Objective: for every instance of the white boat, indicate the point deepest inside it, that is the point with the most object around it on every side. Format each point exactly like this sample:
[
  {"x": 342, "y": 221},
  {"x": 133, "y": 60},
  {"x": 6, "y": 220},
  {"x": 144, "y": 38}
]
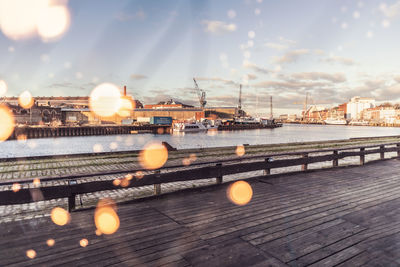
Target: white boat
[
  {"x": 189, "y": 127},
  {"x": 335, "y": 121}
]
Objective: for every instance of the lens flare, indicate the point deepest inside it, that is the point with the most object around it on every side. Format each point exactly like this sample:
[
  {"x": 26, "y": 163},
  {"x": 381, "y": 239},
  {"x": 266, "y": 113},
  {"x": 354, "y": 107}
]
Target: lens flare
[
  {"x": 240, "y": 151},
  {"x": 126, "y": 108},
  {"x": 31, "y": 253},
  {"x": 36, "y": 182},
  {"x": 97, "y": 148},
  {"x": 22, "y": 138},
  {"x": 83, "y": 242},
  {"x": 105, "y": 217},
  {"x": 53, "y": 22},
  {"x": 153, "y": 156},
  {"x": 186, "y": 161},
  {"x": 7, "y": 123},
  {"x": 240, "y": 193},
  {"x": 19, "y": 17},
  {"x": 22, "y": 19},
  {"x": 113, "y": 145},
  {"x": 105, "y": 100},
  {"x": 60, "y": 216},
  {"x": 116, "y": 182},
  {"x": 16, "y": 187},
  {"x": 193, "y": 157},
  {"x": 139, "y": 175},
  {"x": 25, "y": 100},
  {"x": 50, "y": 242},
  {"x": 125, "y": 182},
  {"x": 3, "y": 88}
]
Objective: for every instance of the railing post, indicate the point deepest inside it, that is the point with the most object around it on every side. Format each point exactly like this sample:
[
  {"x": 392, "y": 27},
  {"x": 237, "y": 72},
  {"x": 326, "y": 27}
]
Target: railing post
[
  {"x": 219, "y": 177},
  {"x": 157, "y": 187},
  {"x": 71, "y": 202},
  {"x": 71, "y": 198},
  {"x": 398, "y": 150},
  {"x": 362, "y": 156},
  {"x": 267, "y": 171},
  {"x": 304, "y": 167},
  {"x": 382, "y": 147},
  {"x": 335, "y": 160}
]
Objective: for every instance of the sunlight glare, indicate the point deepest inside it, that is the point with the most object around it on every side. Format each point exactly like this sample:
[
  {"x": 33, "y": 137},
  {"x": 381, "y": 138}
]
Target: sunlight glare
[
  {"x": 153, "y": 156},
  {"x": 7, "y": 123},
  {"x": 53, "y": 22},
  {"x": 240, "y": 193},
  {"x": 60, "y": 216},
  {"x": 105, "y": 100},
  {"x": 25, "y": 100}
]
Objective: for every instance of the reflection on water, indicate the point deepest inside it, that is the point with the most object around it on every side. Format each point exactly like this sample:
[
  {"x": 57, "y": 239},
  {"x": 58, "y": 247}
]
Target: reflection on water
[{"x": 286, "y": 134}]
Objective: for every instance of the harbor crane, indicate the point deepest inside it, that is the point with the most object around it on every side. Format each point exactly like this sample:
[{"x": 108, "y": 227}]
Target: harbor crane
[{"x": 201, "y": 94}]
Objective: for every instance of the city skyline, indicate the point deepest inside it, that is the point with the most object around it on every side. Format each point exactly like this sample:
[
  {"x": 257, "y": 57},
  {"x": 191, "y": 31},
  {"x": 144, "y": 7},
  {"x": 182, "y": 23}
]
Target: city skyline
[{"x": 333, "y": 50}]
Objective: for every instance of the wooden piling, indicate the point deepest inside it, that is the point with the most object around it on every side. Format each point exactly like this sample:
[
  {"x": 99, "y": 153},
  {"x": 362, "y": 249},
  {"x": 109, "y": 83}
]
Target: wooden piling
[
  {"x": 304, "y": 166},
  {"x": 362, "y": 156}
]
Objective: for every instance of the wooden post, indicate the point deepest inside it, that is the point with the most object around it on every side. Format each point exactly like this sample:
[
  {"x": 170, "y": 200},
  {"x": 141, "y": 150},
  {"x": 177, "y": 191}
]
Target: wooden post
[
  {"x": 157, "y": 187},
  {"x": 71, "y": 198},
  {"x": 335, "y": 160},
  {"x": 304, "y": 167},
  {"x": 398, "y": 150},
  {"x": 71, "y": 202},
  {"x": 382, "y": 147},
  {"x": 267, "y": 171},
  {"x": 219, "y": 177},
  {"x": 362, "y": 156}
]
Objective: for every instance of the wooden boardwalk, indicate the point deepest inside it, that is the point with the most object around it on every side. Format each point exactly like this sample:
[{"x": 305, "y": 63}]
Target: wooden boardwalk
[{"x": 343, "y": 216}]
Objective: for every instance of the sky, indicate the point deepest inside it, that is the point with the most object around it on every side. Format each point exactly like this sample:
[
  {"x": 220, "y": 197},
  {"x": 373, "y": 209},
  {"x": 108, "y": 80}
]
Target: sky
[{"x": 331, "y": 49}]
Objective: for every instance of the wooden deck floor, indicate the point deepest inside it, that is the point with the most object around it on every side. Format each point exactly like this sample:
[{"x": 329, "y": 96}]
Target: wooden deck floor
[{"x": 345, "y": 217}]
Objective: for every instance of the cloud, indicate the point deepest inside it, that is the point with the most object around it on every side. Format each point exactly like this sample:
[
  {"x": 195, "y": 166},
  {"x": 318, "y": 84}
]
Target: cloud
[
  {"x": 71, "y": 86},
  {"x": 290, "y": 85},
  {"x": 397, "y": 78},
  {"x": 138, "y": 77},
  {"x": 341, "y": 60},
  {"x": 139, "y": 15},
  {"x": 291, "y": 56},
  {"x": 218, "y": 27},
  {"x": 276, "y": 46},
  {"x": 216, "y": 79},
  {"x": 256, "y": 68},
  {"x": 251, "y": 77},
  {"x": 335, "y": 77},
  {"x": 390, "y": 11},
  {"x": 288, "y": 41}
]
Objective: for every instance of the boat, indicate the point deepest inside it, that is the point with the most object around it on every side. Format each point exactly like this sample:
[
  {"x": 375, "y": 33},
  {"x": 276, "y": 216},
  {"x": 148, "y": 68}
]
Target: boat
[
  {"x": 189, "y": 127},
  {"x": 335, "y": 121}
]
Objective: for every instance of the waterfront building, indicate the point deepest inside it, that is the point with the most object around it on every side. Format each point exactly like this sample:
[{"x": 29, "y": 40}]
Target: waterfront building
[
  {"x": 283, "y": 117},
  {"x": 356, "y": 105}
]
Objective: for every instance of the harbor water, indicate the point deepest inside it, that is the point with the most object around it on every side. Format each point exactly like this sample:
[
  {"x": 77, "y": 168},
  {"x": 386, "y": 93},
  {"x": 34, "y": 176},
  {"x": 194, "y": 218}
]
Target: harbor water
[{"x": 287, "y": 134}]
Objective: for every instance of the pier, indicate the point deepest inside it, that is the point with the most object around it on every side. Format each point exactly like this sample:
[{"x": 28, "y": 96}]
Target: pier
[{"x": 345, "y": 216}]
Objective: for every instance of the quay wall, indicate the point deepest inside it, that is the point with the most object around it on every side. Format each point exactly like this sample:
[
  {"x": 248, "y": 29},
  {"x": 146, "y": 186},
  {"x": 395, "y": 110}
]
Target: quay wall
[
  {"x": 31, "y": 132},
  {"x": 46, "y": 131}
]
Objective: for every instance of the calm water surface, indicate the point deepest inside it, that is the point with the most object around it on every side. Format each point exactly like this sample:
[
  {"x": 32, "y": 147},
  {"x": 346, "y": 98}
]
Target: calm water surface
[{"x": 286, "y": 134}]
